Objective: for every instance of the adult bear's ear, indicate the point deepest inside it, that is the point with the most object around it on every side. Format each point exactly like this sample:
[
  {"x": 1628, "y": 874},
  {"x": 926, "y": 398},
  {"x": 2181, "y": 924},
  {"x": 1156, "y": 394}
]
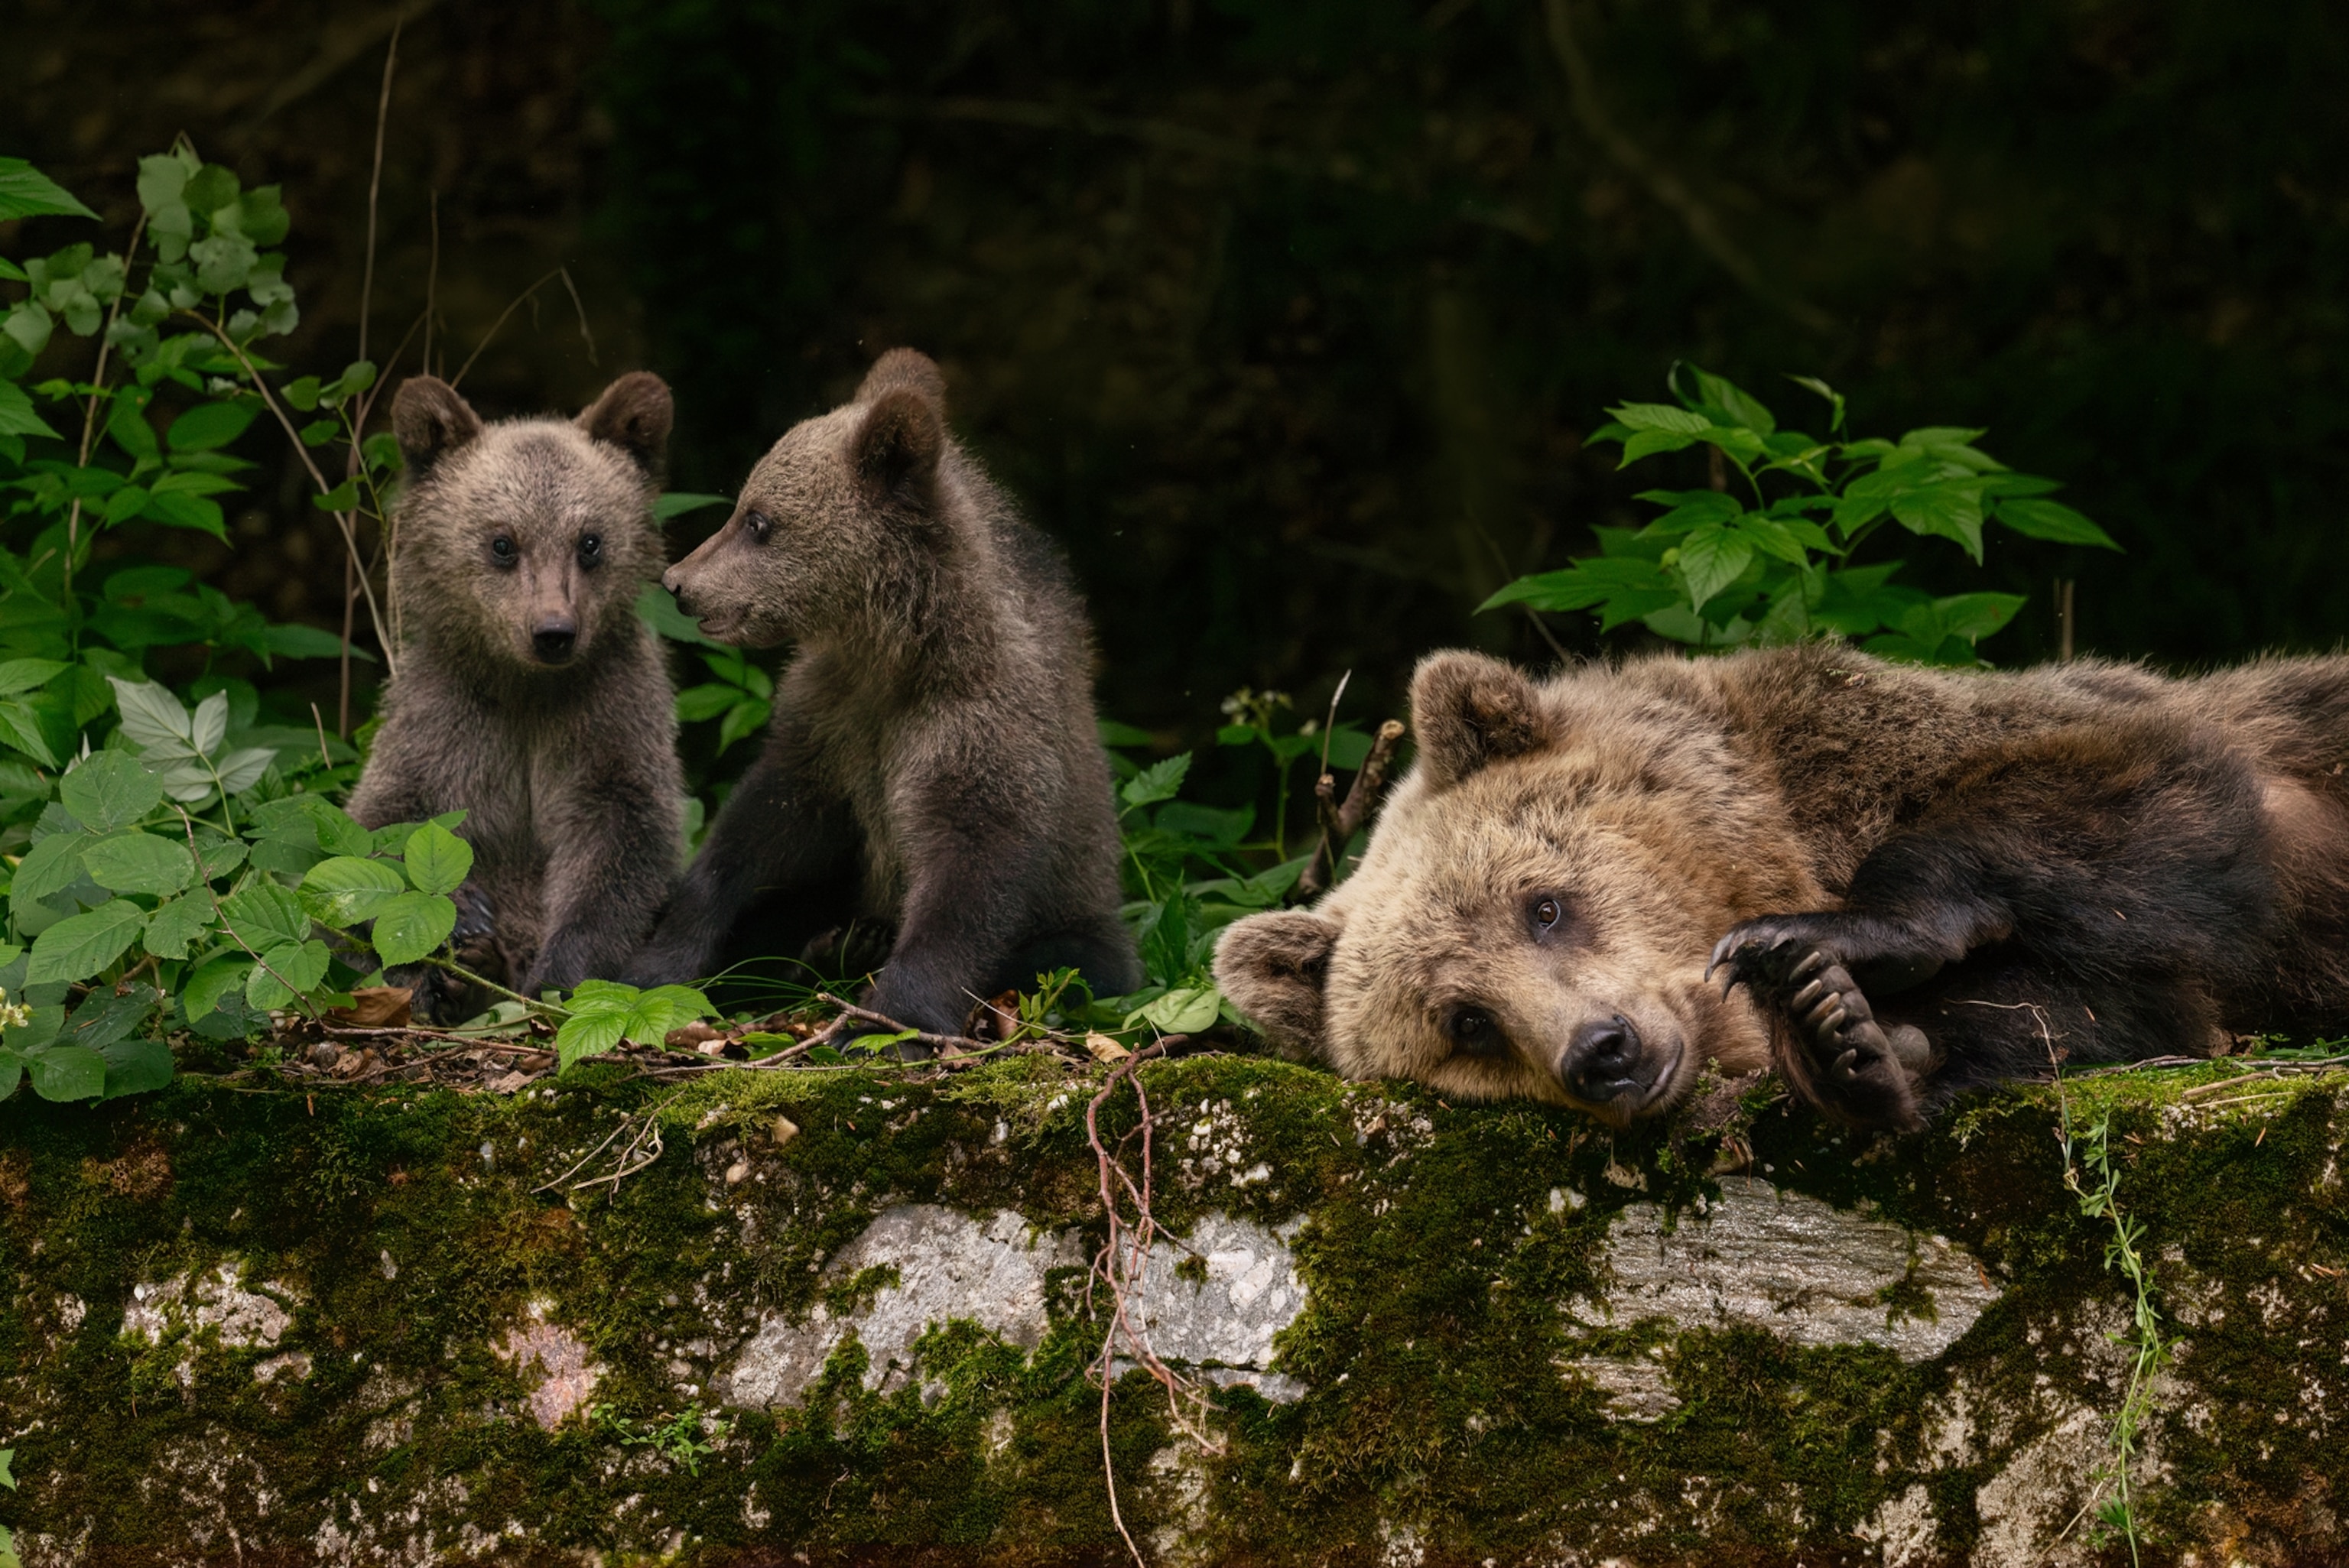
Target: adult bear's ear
[
  {"x": 430, "y": 422},
  {"x": 895, "y": 449},
  {"x": 633, "y": 414},
  {"x": 906, "y": 367},
  {"x": 1274, "y": 968},
  {"x": 1468, "y": 711}
]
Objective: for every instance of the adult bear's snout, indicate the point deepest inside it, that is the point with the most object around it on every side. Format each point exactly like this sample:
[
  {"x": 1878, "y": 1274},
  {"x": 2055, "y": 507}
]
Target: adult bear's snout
[{"x": 1602, "y": 1060}]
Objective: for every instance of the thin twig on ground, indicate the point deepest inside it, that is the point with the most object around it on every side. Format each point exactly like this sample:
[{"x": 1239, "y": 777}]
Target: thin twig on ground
[{"x": 1121, "y": 1265}]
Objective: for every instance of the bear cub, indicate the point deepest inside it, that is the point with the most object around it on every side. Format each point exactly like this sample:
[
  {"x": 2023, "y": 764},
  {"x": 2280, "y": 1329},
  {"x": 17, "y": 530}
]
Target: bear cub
[
  {"x": 933, "y": 760},
  {"x": 528, "y": 692}
]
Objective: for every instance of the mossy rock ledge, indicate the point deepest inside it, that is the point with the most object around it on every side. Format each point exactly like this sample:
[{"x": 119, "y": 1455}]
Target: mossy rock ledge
[{"x": 249, "y": 1324}]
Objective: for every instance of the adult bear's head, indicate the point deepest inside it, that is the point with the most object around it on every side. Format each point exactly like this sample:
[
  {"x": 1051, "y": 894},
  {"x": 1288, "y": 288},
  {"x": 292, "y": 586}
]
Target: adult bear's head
[{"x": 1534, "y": 912}]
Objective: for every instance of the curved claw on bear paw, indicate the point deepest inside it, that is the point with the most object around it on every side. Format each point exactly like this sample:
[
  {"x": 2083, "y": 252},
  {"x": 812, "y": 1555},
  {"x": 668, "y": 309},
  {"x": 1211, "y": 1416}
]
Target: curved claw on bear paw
[
  {"x": 1812, "y": 963},
  {"x": 1720, "y": 957},
  {"x": 1846, "y": 1065}
]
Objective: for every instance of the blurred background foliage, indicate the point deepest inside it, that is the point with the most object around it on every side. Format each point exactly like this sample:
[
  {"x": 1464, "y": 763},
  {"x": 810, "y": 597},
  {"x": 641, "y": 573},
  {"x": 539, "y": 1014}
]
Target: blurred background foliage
[{"x": 1287, "y": 318}]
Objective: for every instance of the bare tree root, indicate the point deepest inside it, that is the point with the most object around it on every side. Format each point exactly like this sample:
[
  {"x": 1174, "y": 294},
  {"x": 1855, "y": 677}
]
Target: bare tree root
[
  {"x": 1340, "y": 822},
  {"x": 1119, "y": 1267}
]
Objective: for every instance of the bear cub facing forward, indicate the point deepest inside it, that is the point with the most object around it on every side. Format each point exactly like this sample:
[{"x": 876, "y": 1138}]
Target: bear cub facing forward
[
  {"x": 932, "y": 760},
  {"x": 528, "y": 693}
]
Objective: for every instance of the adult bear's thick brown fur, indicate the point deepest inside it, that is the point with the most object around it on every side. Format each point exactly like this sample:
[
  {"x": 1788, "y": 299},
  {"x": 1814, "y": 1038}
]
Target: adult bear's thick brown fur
[
  {"x": 529, "y": 693},
  {"x": 933, "y": 760},
  {"x": 1890, "y": 882}
]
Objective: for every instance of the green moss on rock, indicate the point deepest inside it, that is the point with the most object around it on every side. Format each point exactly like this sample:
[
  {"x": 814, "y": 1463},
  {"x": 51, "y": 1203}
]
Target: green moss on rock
[{"x": 369, "y": 1326}]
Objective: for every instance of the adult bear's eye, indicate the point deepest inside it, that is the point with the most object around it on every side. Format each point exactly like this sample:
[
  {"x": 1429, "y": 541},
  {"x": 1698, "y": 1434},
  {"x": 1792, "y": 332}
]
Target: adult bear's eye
[
  {"x": 758, "y": 524},
  {"x": 1546, "y": 916},
  {"x": 591, "y": 548},
  {"x": 502, "y": 550},
  {"x": 1474, "y": 1031}
]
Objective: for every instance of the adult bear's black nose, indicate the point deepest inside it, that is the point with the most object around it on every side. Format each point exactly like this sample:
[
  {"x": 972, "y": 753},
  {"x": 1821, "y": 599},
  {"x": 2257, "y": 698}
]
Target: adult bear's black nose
[
  {"x": 676, "y": 585},
  {"x": 553, "y": 638},
  {"x": 1600, "y": 1059}
]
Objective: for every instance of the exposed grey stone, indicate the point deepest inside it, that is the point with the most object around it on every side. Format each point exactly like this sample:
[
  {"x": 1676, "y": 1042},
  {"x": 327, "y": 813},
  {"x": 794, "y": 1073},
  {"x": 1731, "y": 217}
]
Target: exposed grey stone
[
  {"x": 1222, "y": 1326},
  {"x": 949, "y": 1266},
  {"x": 1800, "y": 1268}
]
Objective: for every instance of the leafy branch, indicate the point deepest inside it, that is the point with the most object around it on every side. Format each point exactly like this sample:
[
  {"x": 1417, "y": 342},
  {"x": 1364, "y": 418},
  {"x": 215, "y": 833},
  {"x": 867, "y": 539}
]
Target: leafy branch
[{"x": 1772, "y": 561}]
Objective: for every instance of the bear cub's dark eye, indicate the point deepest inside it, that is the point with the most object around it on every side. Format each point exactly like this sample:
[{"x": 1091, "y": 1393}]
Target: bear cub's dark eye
[
  {"x": 502, "y": 550},
  {"x": 591, "y": 548},
  {"x": 1473, "y": 1032},
  {"x": 758, "y": 525}
]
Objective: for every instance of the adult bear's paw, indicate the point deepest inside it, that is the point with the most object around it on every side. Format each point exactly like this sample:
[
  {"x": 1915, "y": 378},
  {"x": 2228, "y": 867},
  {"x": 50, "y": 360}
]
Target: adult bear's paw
[{"x": 1831, "y": 1048}]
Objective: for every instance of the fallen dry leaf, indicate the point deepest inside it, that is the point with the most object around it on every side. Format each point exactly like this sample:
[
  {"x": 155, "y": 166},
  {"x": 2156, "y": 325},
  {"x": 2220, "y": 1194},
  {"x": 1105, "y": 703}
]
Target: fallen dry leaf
[
  {"x": 688, "y": 1036},
  {"x": 374, "y": 1007},
  {"x": 1105, "y": 1050},
  {"x": 511, "y": 1082}
]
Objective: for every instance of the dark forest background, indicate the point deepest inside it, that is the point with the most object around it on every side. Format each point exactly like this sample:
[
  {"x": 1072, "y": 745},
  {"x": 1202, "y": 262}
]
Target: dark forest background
[{"x": 1286, "y": 318}]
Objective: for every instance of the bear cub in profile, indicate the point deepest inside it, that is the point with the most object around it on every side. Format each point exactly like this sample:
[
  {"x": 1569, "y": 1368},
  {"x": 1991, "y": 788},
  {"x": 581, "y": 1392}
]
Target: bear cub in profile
[
  {"x": 933, "y": 759},
  {"x": 528, "y": 692}
]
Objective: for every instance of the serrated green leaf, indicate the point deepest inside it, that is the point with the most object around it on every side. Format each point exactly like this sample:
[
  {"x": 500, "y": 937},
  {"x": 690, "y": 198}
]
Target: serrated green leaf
[
  {"x": 213, "y": 980},
  {"x": 176, "y": 926},
  {"x": 139, "y": 862},
  {"x": 51, "y": 866},
  {"x": 1159, "y": 781},
  {"x": 262, "y": 915},
  {"x": 1660, "y": 417},
  {"x": 2051, "y": 519},
  {"x": 66, "y": 1072},
  {"x": 284, "y": 973},
  {"x": 16, "y": 416},
  {"x": 745, "y": 717},
  {"x": 1950, "y": 510},
  {"x": 438, "y": 860},
  {"x": 346, "y": 890},
  {"x": 109, "y": 790},
  {"x": 410, "y": 926},
  {"x": 151, "y": 716},
  {"x": 1712, "y": 557},
  {"x": 210, "y": 425},
  {"x": 587, "y": 1034},
  {"x": 136, "y": 1066},
  {"x": 80, "y": 945},
  {"x": 26, "y": 192}
]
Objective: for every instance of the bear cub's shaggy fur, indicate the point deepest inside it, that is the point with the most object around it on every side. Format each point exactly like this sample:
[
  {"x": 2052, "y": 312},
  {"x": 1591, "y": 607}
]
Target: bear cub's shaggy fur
[
  {"x": 528, "y": 693},
  {"x": 932, "y": 760},
  {"x": 1890, "y": 882}
]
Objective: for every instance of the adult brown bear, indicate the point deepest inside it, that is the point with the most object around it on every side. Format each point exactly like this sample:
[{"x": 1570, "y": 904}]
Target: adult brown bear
[{"x": 1890, "y": 882}]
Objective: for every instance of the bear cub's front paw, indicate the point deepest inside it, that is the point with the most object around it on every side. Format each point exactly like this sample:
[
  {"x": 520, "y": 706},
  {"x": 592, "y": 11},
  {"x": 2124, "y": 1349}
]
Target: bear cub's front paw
[{"x": 1834, "y": 1050}]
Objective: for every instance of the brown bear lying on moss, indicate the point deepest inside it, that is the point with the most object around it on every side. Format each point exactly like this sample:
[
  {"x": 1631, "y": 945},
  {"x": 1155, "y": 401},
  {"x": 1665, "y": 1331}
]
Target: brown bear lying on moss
[{"x": 1889, "y": 882}]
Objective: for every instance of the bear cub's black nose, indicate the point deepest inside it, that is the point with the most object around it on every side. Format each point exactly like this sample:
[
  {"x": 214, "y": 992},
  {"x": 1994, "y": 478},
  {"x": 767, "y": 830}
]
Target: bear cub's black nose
[
  {"x": 1601, "y": 1057},
  {"x": 554, "y": 639}
]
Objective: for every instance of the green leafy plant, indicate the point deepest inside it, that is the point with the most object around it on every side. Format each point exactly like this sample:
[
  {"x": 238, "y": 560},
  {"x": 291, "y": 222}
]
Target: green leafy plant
[
  {"x": 2098, "y": 1193},
  {"x": 1772, "y": 559},
  {"x": 602, "y": 1013},
  {"x": 1192, "y": 869},
  {"x": 684, "y": 1439}
]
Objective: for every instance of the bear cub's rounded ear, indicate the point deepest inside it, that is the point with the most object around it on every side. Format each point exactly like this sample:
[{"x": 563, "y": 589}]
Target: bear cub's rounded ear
[
  {"x": 1274, "y": 966},
  {"x": 906, "y": 367},
  {"x": 895, "y": 451},
  {"x": 633, "y": 414},
  {"x": 1470, "y": 711},
  {"x": 430, "y": 422}
]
